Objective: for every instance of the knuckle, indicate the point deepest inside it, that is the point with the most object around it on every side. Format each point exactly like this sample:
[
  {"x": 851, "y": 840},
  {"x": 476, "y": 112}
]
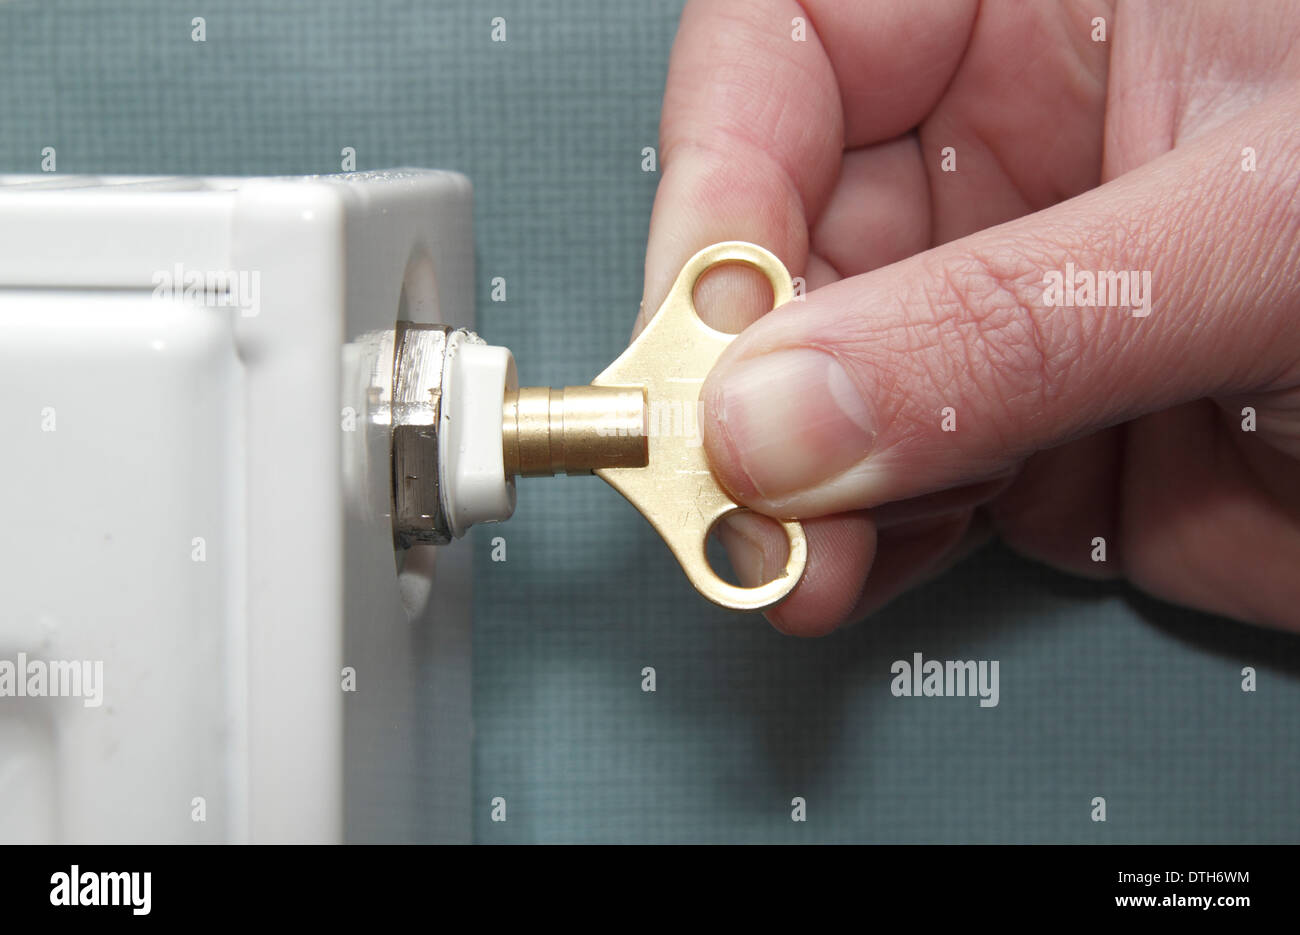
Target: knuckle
[{"x": 996, "y": 337}]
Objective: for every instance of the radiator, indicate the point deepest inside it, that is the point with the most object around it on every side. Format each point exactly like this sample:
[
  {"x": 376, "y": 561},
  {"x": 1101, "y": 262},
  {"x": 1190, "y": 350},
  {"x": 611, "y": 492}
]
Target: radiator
[{"x": 206, "y": 633}]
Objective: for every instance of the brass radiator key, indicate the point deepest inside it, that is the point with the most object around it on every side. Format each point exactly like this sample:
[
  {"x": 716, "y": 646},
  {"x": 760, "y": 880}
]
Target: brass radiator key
[{"x": 602, "y": 429}]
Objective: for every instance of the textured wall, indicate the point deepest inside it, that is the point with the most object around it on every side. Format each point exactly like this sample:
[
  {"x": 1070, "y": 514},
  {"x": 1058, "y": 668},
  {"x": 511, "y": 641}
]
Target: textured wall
[{"x": 1102, "y": 692}]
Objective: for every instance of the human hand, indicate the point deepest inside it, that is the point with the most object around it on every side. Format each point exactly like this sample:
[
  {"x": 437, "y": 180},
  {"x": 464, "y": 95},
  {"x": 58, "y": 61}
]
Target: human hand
[{"x": 923, "y": 395}]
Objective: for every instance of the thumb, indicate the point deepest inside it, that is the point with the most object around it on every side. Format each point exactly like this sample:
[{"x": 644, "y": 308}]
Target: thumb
[{"x": 1174, "y": 282}]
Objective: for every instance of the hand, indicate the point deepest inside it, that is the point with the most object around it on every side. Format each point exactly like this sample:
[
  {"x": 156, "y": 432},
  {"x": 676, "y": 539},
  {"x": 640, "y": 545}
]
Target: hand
[{"x": 924, "y": 394}]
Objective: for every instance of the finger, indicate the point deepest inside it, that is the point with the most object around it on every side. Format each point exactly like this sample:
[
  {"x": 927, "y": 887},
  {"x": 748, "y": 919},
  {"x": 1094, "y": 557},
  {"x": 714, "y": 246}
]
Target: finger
[
  {"x": 750, "y": 141},
  {"x": 840, "y": 552},
  {"x": 752, "y": 130},
  {"x": 879, "y": 212},
  {"x": 949, "y": 368},
  {"x": 1000, "y": 120},
  {"x": 1211, "y": 517},
  {"x": 910, "y": 555},
  {"x": 940, "y": 503},
  {"x": 1062, "y": 500},
  {"x": 893, "y": 59}
]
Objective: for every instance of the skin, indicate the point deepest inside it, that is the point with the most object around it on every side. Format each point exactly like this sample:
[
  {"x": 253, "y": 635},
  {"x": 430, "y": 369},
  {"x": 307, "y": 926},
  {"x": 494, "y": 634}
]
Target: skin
[{"x": 926, "y": 289}]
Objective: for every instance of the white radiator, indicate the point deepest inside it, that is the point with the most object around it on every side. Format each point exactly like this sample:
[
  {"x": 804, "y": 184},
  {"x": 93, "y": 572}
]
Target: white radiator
[{"x": 203, "y": 632}]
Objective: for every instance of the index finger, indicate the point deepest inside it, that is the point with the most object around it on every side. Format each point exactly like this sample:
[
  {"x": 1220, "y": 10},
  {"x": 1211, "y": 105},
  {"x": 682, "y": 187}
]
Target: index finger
[{"x": 754, "y": 122}]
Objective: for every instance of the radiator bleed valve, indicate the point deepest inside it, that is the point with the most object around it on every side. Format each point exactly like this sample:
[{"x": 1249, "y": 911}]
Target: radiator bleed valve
[{"x": 462, "y": 430}]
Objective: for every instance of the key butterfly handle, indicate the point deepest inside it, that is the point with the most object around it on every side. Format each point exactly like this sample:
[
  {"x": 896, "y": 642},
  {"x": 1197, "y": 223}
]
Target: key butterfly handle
[{"x": 676, "y": 489}]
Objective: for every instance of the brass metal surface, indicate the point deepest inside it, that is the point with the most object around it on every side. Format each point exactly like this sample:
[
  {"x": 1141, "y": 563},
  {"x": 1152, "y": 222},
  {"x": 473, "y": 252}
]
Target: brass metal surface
[
  {"x": 677, "y": 491},
  {"x": 638, "y": 428},
  {"x": 573, "y": 430}
]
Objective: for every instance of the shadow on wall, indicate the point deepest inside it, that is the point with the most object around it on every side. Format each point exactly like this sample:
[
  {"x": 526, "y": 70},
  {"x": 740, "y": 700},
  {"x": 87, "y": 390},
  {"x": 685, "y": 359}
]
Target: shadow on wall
[
  {"x": 1276, "y": 650},
  {"x": 1092, "y": 694}
]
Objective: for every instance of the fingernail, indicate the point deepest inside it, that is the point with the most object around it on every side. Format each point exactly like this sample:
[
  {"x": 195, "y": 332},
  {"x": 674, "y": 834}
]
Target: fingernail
[{"x": 791, "y": 419}]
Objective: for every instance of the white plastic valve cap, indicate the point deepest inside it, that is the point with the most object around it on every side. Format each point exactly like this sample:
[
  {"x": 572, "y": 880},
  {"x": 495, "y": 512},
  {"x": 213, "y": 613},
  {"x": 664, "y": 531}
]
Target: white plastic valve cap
[{"x": 475, "y": 378}]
